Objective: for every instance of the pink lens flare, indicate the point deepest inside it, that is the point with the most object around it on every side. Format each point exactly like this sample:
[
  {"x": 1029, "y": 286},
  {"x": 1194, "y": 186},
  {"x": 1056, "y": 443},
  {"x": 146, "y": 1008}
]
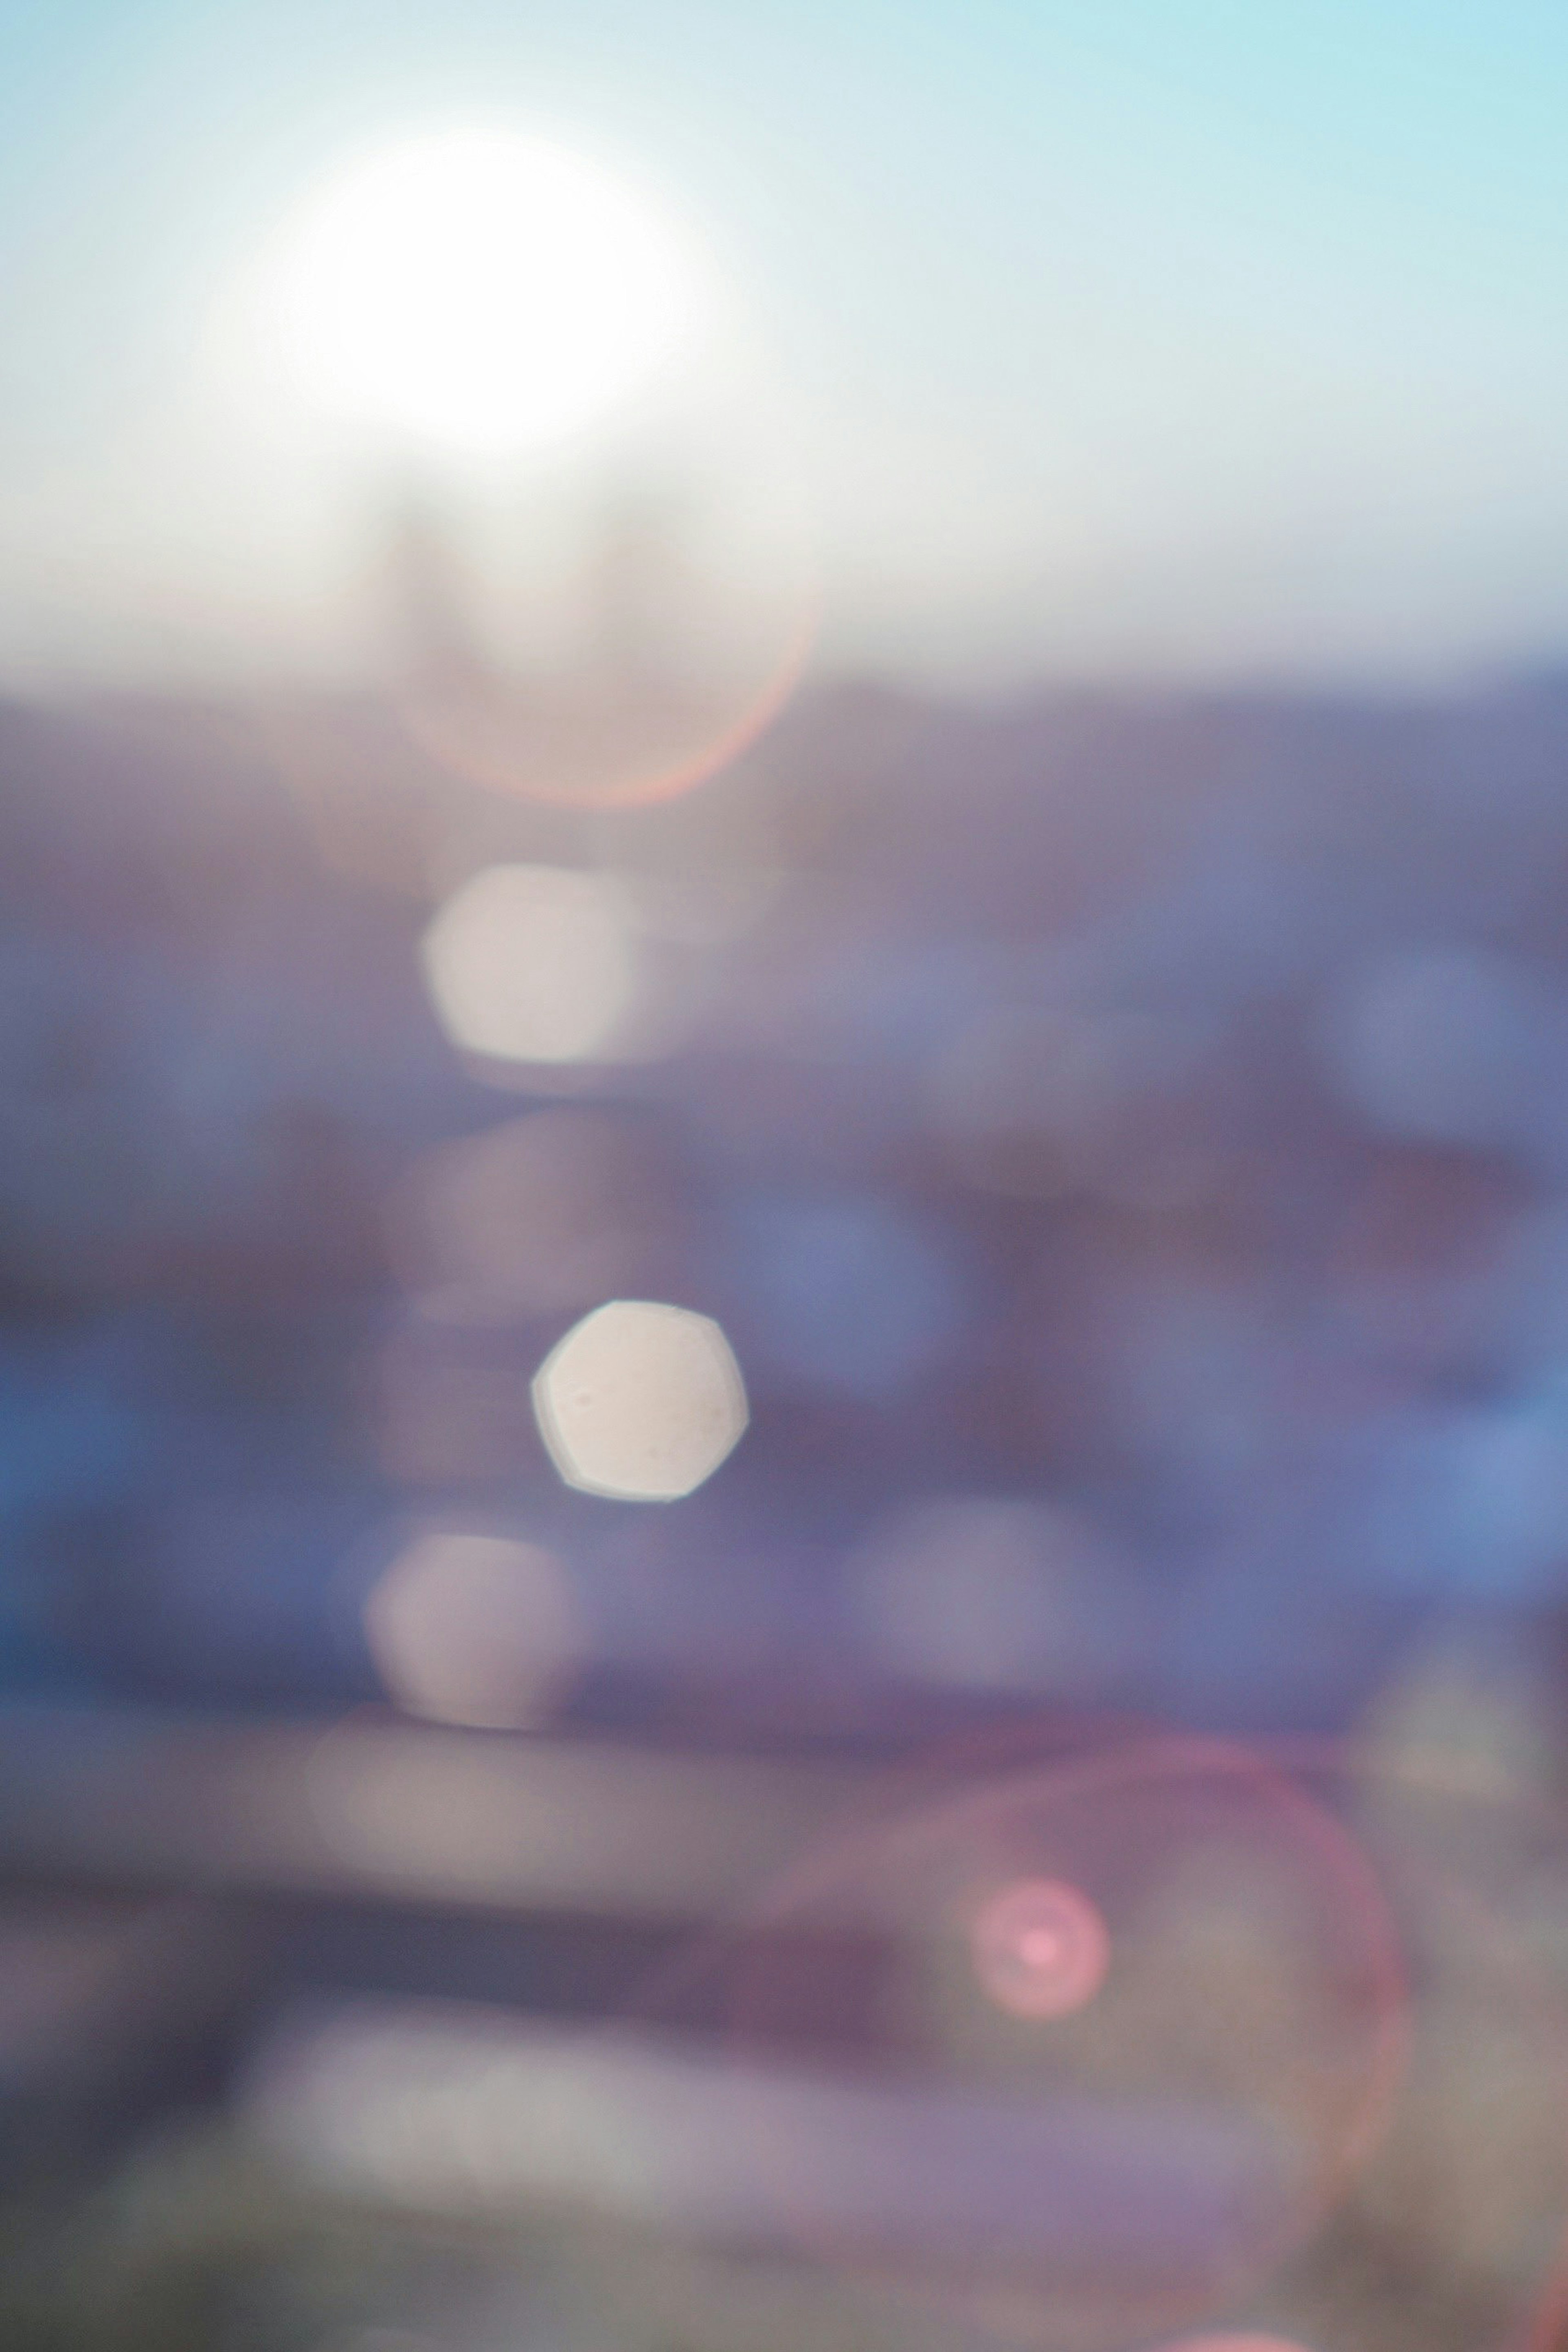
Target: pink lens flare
[
  {"x": 1233, "y": 2025},
  {"x": 1041, "y": 1949}
]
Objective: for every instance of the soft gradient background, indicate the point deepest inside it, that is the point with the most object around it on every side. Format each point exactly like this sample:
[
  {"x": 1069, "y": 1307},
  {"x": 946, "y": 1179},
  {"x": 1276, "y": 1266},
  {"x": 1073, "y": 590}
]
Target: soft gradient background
[
  {"x": 1195, "y": 337},
  {"x": 784, "y": 1454}
]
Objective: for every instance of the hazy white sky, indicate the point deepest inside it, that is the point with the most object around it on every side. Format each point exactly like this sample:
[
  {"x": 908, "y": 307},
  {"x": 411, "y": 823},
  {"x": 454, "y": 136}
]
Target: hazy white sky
[{"x": 1105, "y": 333}]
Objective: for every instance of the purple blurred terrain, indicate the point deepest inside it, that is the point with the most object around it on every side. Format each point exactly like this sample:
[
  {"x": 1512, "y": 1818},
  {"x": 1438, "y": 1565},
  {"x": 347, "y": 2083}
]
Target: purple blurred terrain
[{"x": 1123, "y": 1136}]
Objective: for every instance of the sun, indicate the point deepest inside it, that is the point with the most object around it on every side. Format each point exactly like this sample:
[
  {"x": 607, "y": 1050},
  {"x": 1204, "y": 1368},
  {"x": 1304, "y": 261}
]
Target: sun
[{"x": 480, "y": 292}]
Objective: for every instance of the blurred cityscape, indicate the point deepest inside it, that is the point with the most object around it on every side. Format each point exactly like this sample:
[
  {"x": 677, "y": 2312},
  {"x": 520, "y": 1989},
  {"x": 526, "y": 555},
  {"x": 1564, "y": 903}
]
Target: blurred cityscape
[
  {"x": 1108, "y": 1152},
  {"x": 783, "y": 1178},
  {"x": 1121, "y": 1137}
]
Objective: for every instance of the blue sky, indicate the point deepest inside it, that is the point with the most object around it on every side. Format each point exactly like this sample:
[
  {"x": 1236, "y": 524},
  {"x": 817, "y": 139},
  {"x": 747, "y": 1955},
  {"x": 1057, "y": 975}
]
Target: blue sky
[{"x": 1184, "y": 336}]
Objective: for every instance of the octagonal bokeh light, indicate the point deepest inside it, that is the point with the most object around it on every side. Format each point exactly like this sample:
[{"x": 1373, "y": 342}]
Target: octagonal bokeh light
[
  {"x": 473, "y": 1628},
  {"x": 641, "y": 1401},
  {"x": 532, "y": 963}
]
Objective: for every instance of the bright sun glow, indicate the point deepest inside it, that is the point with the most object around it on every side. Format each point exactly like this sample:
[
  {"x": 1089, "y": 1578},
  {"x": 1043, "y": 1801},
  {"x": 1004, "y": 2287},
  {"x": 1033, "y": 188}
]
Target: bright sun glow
[{"x": 481, "y": 291}]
